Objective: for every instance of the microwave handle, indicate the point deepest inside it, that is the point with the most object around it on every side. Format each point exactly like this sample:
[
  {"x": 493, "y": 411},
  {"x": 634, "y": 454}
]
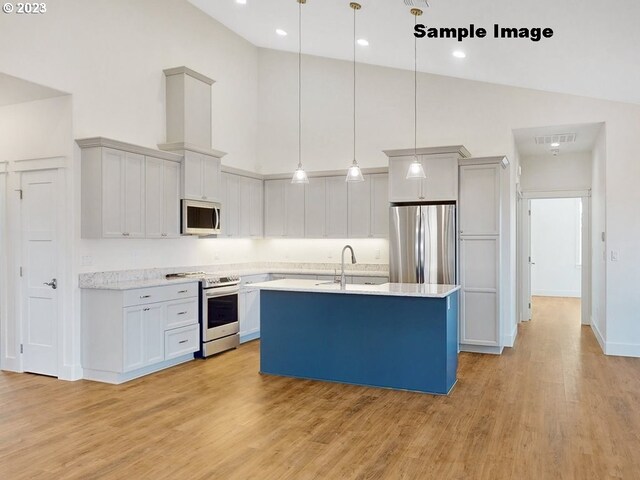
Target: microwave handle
[{"x": 216, "y": 212}]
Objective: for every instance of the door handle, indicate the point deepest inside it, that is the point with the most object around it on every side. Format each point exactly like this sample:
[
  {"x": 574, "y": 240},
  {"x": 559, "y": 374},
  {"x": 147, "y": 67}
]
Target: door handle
[{"x": 53, "y": 283}]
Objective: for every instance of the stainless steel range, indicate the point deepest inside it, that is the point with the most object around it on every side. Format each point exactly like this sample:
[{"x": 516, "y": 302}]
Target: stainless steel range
[{"x": 218, "y": 311}]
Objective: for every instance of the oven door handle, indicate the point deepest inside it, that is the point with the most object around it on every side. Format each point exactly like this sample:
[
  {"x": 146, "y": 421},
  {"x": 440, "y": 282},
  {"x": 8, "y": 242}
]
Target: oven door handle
[{"x": 221, "y": 291}]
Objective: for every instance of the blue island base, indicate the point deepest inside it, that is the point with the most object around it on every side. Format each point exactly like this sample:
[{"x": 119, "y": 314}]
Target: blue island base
[{"x": 406, "y": 343}]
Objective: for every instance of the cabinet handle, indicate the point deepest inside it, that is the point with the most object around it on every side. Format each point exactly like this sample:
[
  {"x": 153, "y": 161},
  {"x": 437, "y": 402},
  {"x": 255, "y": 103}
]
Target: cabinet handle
[
  {"x": 146, "y": 309},
  {"x": 145, "y": 296},
  {"x": 183, "y": 341},
  {"x": 183, "y": 291},
  {"x": 182, "y": 313},
  {"x": 125, "y": 234},
  {"x": 163, "y": 235}
]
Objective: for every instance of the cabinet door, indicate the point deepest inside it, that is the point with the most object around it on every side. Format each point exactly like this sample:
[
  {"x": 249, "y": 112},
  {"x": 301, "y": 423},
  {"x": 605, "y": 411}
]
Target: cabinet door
[
  {"x": 112, "y": 193},
  {"x": 337, "y": 207},
  {"x": 360, "y": 208},
  {"x": 171, "y": 200},
  {"x": 244, "y": 207},
  {"x": 249, "y": 317},
  {"x": 192, "y": 172},
  {"x": 211, "y": 179},
  {"x": 294, "y": 209},
  {"x": 380, "y": 205},
  {"x": 441, "y": 183},
  {"x": 134, "y": 205},
  {"x": 479, "y": 200},
  {"x": 153, "y": 333},
  {"x": 154, "y": 197},
  {"x": 479, "y": 279},
  {"x": 402, "y": 189},
  {"x": 231, "y": 205},
  {"x": 274, "y": 214},
  {"x": 133, "y": 339},
  {"x": 315, "y": 208},
  {"x": 256, "y": 207}
]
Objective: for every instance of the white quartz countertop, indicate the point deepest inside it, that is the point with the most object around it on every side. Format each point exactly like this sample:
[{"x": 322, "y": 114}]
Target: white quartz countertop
[{"x": 388, "y": 289}]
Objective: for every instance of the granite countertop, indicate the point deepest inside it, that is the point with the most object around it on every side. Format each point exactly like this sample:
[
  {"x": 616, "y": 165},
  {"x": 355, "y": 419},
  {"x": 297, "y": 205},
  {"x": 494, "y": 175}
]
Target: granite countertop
[
  {"x": 155, "y": 277},
  {"x": 388, "y": 289}
]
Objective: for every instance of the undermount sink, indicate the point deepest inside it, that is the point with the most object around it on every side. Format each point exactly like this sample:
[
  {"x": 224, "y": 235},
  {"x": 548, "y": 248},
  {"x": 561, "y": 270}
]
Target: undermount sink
[{"x": 324, "y": 283}]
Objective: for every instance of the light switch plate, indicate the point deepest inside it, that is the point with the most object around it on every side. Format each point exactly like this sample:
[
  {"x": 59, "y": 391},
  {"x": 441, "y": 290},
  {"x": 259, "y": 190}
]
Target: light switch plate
[{"x": 614, "y": 255}]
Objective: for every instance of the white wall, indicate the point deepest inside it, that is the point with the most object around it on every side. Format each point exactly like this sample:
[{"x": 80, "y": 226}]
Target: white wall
[
  {"x": 30, "y": 133},
  {"x": 598, "y": 244},
  {"x": 555, "y": 234},
  {"x": 570, "y": 171},
  {"x": 375, "y": 251},
  {"x": 452, "y": 111}
]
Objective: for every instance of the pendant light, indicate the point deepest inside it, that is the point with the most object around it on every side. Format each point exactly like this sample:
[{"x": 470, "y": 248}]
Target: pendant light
[
  {"x": 354, "y": 174},
  {"x": 300, "y": 176},
  {"x": 415, "y": 169}
]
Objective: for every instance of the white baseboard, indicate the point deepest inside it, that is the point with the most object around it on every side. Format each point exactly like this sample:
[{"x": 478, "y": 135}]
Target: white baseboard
[
  {"x": 71, "y": 373},
  {"x": 510, "y": 340},
  {"x": 118, "y": 378},
  {"x": 480, "y": 349},
  {"x": 555, "y": 293},
  {"x": 599, "y": 337},
  {"x": 623, "y": 349},
  {"x": 247, "y": 337}
]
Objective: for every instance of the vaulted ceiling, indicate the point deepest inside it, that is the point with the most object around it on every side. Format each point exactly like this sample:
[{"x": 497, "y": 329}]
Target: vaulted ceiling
[{"x": 593, "y": 52}]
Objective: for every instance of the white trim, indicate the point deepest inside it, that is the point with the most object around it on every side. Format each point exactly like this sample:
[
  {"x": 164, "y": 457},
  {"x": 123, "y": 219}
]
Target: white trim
[
  {"x": 540, "y": 194},
  {"x": 452, "y": 149},
  {"x": 187, "y": 71},
  {"x": 599, "y": 337},
  {"x": 502, "y": 160},
  {"x": 250, "y": 336},
  {"x": 118, "y": 378},
  {"x": 623, "y": 349},
  {"x": 496, "y": 350},
  {"x": 43, "y": 163},
  {"x": 71, "y": 373},
  {"x": 182, "y": 146},
  {"x": 127, "y": 147},
  {"x": 327, "y": 173},
  {"x": 510, "y": 340}
]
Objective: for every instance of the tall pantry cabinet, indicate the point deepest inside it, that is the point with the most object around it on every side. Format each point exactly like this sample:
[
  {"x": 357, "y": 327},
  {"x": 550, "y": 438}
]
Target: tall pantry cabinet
[{"x": 481, "y": 229}]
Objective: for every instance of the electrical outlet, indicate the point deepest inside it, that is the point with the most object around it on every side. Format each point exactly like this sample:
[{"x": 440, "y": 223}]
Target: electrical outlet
[
  {"x": 614, "y": 255},
  {"x": 378, "y": 254}
]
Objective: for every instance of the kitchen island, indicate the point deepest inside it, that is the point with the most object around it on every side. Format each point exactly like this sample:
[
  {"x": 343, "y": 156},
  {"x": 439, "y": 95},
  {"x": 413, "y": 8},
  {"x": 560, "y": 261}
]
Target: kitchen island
[{"x": 400, "y": 336}]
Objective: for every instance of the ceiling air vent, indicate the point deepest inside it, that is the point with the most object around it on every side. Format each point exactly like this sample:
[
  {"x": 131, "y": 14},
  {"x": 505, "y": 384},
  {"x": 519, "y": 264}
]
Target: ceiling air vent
[
  {"x": 557, "y": 138},
  {"x": 416, "y": 3}
]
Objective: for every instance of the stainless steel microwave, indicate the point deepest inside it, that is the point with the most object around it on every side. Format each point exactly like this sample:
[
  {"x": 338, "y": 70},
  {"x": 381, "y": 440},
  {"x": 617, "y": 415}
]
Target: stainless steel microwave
[{"x": 200, "y": 218}]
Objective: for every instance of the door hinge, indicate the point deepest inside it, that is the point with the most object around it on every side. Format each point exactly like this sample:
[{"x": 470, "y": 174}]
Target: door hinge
[
  {"x": 529, "y": 212},
  {"x": 20, "y": 271},
  {"x": 21, "y": 348},
  {"x": 529, "y": 305},
  {"x": 20, "y": 193}
]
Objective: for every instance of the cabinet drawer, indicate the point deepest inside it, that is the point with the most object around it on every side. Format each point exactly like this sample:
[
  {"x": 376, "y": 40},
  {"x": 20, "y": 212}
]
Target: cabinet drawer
[
  {"x": 181, "y": 341},
  {"x": 142, "y": 296},
  {"x": 182, "y": 313}
]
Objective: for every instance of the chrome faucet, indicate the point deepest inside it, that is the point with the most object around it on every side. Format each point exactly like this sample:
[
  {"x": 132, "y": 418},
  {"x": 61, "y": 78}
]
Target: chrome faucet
[{"x": 343, "y": 281}]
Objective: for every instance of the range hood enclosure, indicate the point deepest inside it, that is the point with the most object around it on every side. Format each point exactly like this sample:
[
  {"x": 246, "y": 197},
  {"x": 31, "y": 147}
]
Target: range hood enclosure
[{"x": 188, "y": 97}]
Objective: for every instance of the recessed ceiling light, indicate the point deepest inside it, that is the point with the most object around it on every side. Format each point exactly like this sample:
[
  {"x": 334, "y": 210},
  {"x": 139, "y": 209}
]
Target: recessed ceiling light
[
  {"x": 363, "y": 42},
  {"x": 555, "y": 144},
  {"x": 281, "y": 32},
  {"x": 241, "y": 2},
  {"x": 459, "y": 54}
]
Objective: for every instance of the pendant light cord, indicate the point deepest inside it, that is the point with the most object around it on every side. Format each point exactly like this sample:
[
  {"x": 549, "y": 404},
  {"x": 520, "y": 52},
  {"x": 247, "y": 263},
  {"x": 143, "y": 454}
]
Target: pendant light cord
[
  {"x": 354, "y": 86},
  {"x": 299, "y": 84},
  {"x": 415, "y": 91}
]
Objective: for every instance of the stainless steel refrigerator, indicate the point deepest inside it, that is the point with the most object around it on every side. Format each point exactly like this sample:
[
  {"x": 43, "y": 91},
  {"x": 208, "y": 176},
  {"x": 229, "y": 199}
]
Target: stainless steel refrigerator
[{"x": 422, "y": 244}]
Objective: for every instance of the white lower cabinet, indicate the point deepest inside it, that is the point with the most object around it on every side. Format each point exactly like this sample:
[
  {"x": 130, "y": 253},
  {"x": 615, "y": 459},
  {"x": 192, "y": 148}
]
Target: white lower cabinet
[
  {"x": 130, "y": 333},
  {"x": 249, "y": 307}
]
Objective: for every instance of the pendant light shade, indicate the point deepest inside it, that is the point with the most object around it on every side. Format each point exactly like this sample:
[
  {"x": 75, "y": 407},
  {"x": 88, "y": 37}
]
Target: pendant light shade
[
  {"x": 416, "y": 170},
  {"x": 354, "y": 174},
  {"x": 300, "y": 176}
]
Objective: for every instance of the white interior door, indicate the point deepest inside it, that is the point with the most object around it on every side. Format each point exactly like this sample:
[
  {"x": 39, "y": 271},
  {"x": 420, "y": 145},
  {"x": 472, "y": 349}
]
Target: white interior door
[
  {"x": 528, "y": 261},
  {"x": 40, "y": 271}
]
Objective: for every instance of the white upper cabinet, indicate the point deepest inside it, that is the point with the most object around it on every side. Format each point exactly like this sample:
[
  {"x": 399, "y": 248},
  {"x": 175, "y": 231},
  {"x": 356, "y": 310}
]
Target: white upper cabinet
[
  {"x": 128, "y": 191},
  {"x": 202, "y": 177},
  {"x": 122, "y": 194},
  {"x": 294, "y": 209},
  {"x": 315, "y": 208},
  {"x": 162, "y": 189},
  {"x": 336, "y": 205},
  {"x": 441, "y": 169},
  {"x": 360, "y": 208},
  {"x": 230, "y": 205},
  {"x": 380, "y": 205},
  {"x": 256, "y": 206},
  {"x": 480, "y": 199},
  {"x": 242, "y": 206},
  {"x": 274, "y": 214}
]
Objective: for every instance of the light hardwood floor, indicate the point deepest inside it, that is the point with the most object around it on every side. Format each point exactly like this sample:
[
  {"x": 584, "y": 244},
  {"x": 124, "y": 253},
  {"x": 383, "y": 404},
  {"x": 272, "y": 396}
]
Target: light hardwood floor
[{"x": 552, "y": 407}]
